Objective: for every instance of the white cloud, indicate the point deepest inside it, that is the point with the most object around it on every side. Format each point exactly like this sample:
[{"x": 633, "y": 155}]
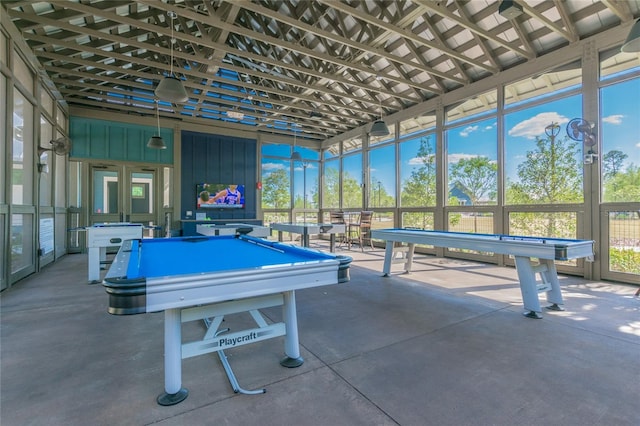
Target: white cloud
[
  {"x": 534, "y": 126},
  {"x": 468, "y": 130},
  {"x": 272, "y": 166},
  {"x": 638, "y": 145},
  {"x": 454, "y": 158},
  {"x": 301, "y": 168},
  {"x": 417, "y": 161},
  {"x": 613, "y": 119},
  {"x": 491, "y": 126}
]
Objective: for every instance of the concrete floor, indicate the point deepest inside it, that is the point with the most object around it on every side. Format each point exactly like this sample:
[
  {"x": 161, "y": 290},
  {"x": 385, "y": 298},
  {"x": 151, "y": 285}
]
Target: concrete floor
[{"x": 445, "y": 345}]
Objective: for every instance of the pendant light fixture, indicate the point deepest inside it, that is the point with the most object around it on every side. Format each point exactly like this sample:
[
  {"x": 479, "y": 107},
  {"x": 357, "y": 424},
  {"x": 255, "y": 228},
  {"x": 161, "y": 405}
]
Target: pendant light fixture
[
  {"x": 379, "y": 127},
  {"x": 632, "y": 43},
  {"x": 170, "y": 88},
  {"x": 295, "y": 155},
  {"x": 156, "y": 142}
]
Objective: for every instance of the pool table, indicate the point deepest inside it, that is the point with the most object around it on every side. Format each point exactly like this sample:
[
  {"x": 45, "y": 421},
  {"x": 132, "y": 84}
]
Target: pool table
[
  {"x": 523, "y": 248},
  {"x": 206, "y": 278}
]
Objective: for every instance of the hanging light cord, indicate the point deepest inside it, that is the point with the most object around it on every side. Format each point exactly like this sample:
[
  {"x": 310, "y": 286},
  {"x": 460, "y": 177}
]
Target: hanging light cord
[
  {"x": 158, "y": 115},
  {"x": 172, "y": 15}
]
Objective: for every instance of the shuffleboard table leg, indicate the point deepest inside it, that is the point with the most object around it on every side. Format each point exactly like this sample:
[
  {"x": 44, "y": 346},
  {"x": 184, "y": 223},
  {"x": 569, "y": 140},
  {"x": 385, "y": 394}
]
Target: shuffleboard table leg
[
  {"x": 528, "y": 287},
  {"x": 554, "y": 294}
]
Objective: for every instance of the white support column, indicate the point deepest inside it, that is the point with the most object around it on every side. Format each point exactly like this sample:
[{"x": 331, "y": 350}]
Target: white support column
[
  {"x": 174, "y": 392},
  {"x": 94, "y": 263},
  {"x": 291, "y": 344}
]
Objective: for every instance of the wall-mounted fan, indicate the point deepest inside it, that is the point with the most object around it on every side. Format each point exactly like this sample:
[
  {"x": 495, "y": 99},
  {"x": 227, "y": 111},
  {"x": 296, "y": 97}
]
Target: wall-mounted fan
[
  {"x": 61, "y": 146},
  {"x": 581, "y": 130}
]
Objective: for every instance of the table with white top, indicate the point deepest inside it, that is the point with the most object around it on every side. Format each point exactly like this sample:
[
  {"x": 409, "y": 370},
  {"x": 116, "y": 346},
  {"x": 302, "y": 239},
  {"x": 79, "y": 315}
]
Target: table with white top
[
  {"x": 233, "y": 229},
  {"x": 523, "y": 248},
  {"x": 100, "y": 236},
  {"x": 307, "y": 229}
]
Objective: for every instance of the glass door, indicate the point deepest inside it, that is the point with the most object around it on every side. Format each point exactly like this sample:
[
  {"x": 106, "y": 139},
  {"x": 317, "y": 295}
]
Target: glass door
[
  {"x": 123, "y": 194},
  {"x": 106, "y": 195},
  {"x": 140, "y": 196}
]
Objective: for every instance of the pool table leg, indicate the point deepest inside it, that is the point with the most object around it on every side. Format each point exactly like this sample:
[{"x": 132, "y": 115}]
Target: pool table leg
[
  {"x": 95, "y": 256},
  {"x": 388, "y": 258},
  {"x": 173, "y": 390},
  {"x": 291, "y": 344}
]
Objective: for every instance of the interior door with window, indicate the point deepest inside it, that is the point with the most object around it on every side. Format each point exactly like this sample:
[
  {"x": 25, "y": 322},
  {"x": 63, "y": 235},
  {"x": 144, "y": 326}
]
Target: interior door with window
[
  {"x": 123, "y": 194},
  {"x": 106, "y": 195},
  {"x": 139, "y": 200}
]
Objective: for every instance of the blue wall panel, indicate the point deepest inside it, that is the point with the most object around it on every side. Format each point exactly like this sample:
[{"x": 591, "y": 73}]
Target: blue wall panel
[
  {"x": 98, "y": 137},
  {"x": 111, "y": 140},
  {"x": 116, "y": 144},
  {"x": 218, "y": 159}
]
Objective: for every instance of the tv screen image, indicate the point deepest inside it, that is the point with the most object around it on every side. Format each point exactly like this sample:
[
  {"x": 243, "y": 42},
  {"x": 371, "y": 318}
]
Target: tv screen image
[{"x": 219, "y": 196}]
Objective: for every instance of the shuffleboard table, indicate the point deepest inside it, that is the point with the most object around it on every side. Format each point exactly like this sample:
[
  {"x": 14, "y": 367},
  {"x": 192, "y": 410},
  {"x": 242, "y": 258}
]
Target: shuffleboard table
[
  {"x": 523, "y": 249},
  {"x": 206, "y": 278}
]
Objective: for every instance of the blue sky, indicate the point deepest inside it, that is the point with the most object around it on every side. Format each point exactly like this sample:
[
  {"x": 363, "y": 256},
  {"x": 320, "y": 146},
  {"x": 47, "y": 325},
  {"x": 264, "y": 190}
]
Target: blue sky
[{"x": 619, "y": 130}]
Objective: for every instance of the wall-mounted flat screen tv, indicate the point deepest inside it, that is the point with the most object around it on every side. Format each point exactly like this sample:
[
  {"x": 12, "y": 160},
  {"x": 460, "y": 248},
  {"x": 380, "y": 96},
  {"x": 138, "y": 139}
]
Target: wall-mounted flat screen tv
[{"x": 219, "y": 196}]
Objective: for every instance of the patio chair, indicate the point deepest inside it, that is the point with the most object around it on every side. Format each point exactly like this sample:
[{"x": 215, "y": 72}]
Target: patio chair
[
  {"x": 361, "y": 230},
  {"x": 337, "y": 218}
]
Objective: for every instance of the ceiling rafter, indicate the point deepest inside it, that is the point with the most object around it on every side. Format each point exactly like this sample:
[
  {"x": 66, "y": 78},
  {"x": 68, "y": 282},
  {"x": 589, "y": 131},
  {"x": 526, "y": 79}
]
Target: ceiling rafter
[
  {"x": 330, "y": 36},
  {"x": 407, "y": 34},
  {"x": 160, "y": 50},
  {"x": 478, "y": 40},
  {"x": 138, "y": 74},
  {"x": 330, "y": 65},
  {"x": 547, "y": 22},
  {"x": 620, "y": 8},
  {"x": 272, "y": 42},
  {"x": 446, "y": 13}
]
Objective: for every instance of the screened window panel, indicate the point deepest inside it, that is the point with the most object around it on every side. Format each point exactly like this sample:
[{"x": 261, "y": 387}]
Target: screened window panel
[{"x": 541, "y": 168}]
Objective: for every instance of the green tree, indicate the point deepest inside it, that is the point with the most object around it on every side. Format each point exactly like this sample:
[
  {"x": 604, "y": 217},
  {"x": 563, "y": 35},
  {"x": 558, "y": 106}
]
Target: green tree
[
  {"x": 623, "y": 186},
  {"x": 378, "y": 196},
  {"x": 351, "y": 191},
  {"x": 420, "y": 188},
  {"x": 551, "y": 174},
  {"x": 275, "y": 190},
  {"x": 331, "y": 188},
  {"x": 476, "y": 177},
  {"x": 612, "y": 163}
]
